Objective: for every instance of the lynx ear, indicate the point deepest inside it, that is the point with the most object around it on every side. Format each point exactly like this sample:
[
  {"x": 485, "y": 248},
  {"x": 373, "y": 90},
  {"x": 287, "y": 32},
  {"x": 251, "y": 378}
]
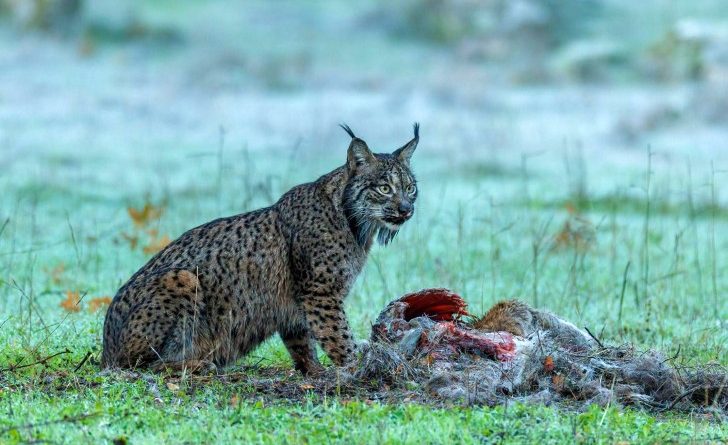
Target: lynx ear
[
  {"x": 359, "y": 154},
  {"x": 404, "y": 153}
]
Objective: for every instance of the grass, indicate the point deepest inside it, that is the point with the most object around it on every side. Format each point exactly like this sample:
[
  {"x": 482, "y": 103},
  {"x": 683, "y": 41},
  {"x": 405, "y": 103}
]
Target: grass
[
  {"x": 485, "y": 247},
  {"x": 121, "y": 411}
]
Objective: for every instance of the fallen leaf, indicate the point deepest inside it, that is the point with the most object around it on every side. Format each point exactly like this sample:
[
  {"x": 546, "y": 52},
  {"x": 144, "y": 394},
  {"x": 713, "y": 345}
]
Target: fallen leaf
[
  {"x": 72, "y": 302},
  {"x": 234, "y": 400},
  {"x": 306, "y": 387},
  {"x": 548, "y": 364},
  {"x": 97, "y": 303},
  {"x": 570, "y": 208},
  {"x": 56, "y": 273},
  {"x": 172, "y": 386},
  {"x": 577, "y": 232},
  {"x": 156, "y": 245},
  {"x": 132, "y": 239},
  {"x": 563, "y": 238},
  {"x": 142, "y": 217},
  {"x": 558, "y": 381}
]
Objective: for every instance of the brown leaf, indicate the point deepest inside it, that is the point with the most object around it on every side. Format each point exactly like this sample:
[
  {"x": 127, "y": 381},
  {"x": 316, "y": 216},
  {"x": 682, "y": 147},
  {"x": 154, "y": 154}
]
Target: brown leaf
[
  {"x": 306, "y": 387},
  {"x": 97, "y": 303},
  {"x": 142, "y": 217},
  {"x": 558, "y": 381},
  {"x": 235, "y": 400},
  {"x": 72, "y": 302},
  {"x": 156, "y": 245},
  {"x": 576, "y": 233},
  {"x": 172, "y": 386},
  {"x": 132, "y": 239},
  {"x": 56, "y": 273},
  {"x": 548, "y": 364}
]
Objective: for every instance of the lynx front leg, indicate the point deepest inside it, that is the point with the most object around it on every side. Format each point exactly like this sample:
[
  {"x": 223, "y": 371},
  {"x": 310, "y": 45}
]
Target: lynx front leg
[
  {"x": 301, "y": 347},
  {"x": 327, "y": 321},
  {"x": 324, "y": 272}
]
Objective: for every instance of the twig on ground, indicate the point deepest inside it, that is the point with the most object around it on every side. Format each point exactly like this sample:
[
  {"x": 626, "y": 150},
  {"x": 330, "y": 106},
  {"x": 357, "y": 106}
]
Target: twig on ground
[
  {"x": 682, "y": 396},
  {"x": 82, "y": 362},
  {"x": 594, "y": 337},
  {"x": 677, "y": 353},
  {"x": 38, "y": 362}
]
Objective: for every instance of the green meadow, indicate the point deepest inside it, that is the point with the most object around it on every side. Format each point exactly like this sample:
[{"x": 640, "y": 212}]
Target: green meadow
[{"x": 114, "y": 143}]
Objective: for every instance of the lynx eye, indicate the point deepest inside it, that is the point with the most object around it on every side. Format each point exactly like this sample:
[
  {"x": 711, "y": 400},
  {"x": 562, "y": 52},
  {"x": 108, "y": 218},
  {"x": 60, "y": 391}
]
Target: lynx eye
[
  {"x": 384, "y": 189},
  {"x": 411, "y": 189}
]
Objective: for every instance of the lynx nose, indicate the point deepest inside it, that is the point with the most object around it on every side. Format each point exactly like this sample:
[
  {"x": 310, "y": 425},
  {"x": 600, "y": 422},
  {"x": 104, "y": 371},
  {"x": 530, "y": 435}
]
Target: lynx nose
[{"x": 406, "y": 208}]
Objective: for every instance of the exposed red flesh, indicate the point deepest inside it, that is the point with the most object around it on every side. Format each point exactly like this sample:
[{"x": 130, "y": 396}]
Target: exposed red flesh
[
  {"x": 438, "y": 304},
  {"x": 447, "y": 337},
  {"x": 497, "y": 345}
]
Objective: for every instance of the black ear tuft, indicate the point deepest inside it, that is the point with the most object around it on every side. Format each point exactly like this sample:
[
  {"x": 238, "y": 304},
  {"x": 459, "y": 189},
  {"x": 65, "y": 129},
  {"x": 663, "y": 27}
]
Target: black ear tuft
[
  {"x": 348, "y": 130},
  {"x": 404, "y": 153}
]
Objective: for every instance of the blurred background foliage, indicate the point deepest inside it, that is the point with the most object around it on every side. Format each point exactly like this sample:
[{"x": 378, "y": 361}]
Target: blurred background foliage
[
  {"x": 584, "y": 40},
  {"x": 520, "y": 42},
  {"x": 535, "y": 41}
]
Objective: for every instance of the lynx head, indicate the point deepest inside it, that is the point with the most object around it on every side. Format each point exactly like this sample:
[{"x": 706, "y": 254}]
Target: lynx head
[{"x": 381, "y": 191}]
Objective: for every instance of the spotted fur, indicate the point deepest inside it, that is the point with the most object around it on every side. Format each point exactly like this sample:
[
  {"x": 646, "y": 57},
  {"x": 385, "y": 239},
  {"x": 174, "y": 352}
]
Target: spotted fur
[{"x": 222, "y": 288}]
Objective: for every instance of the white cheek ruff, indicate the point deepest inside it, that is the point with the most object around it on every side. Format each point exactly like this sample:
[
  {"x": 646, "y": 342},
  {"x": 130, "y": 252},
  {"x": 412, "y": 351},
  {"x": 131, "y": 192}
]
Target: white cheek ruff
[{"x": 390, "y": 226}]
